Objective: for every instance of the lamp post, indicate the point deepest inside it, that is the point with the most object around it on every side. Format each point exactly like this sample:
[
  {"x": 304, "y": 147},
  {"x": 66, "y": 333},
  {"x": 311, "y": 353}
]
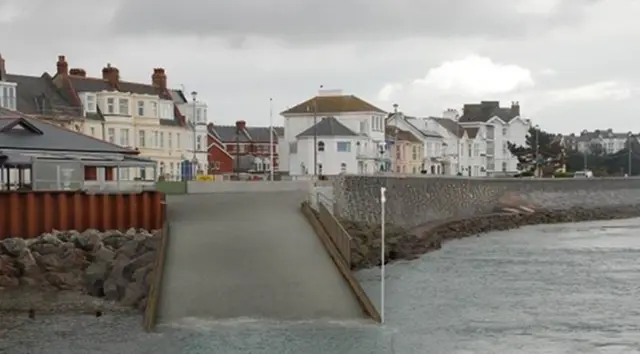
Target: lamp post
[
  {"x": 194, "y": 96},
  {"x": 629, "y": 136},
  {"x": 271, "y": 138},
  {"x": 394, "y": 165},
  {"x": 537, "y": 127}
]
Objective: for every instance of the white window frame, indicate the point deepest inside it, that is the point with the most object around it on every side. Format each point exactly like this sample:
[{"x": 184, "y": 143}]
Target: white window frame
[
  {"x": 124, "y": 137},
  {"x": 111, "y": 105},
  {"x": 170, "y": 140},
  {"x": 161, "y": 140},
  {"x": 199, "y": 143},
  {"x": 142, "y": 139},
  {"x": 123, "y": 106},
  {"x": 140, "y": 108},
  {"x": 90, "y": 103},
  {"x": 111, "y": 135},
  {"x": 156, "y": 138},
  {"x": 154, "y": 109}
]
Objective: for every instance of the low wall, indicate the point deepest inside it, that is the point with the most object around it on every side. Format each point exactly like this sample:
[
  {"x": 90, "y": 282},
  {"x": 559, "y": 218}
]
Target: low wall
[
  {"x": 195, "y": 187},
  {"x": 413, "y": 201}
]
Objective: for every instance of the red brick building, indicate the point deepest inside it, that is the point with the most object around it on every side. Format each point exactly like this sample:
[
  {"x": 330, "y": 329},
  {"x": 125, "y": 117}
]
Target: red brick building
[{"x": 239, "y": 143}]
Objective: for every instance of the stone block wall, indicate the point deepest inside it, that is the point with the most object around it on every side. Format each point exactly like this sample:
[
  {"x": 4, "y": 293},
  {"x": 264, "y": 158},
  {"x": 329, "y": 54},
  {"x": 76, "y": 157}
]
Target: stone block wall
[{"x": 413, "y": 201}]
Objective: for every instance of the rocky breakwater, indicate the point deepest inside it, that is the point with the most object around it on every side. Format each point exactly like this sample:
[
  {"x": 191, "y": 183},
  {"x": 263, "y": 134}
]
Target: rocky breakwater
[
  {"x": 71, "y": 270},
  {"x": 408, "y": 244}
]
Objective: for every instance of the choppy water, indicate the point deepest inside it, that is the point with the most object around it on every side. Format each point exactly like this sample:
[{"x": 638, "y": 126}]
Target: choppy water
[{"x": 544, "y": 289}]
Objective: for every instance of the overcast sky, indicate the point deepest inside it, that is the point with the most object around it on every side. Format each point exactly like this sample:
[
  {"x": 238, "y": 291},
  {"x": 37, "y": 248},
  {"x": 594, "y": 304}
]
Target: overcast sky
[{"x": 572, "y": 64}]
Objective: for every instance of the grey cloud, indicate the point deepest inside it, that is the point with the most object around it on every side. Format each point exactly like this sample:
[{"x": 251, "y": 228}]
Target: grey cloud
[{"x": 300, "y": 21}]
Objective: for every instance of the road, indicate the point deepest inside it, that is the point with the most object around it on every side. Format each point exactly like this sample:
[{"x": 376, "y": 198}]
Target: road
[{"x": 239, "y": 254}]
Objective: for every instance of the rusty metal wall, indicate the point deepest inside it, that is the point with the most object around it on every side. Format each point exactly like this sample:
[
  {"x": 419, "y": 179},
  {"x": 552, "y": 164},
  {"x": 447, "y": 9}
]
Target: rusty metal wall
[{"x": 29, "y": 214}]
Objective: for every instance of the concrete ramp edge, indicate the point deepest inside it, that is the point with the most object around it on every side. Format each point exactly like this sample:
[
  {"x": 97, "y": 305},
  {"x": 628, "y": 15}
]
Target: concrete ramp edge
[
  {"x": 365, "y": 302},
  {"x": 153, "y": 298}
]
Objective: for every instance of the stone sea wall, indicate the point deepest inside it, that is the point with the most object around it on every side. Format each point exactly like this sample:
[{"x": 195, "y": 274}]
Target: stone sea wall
[
  {"x": 114, "y": 267},
  {"x": 415, "y": 201}
]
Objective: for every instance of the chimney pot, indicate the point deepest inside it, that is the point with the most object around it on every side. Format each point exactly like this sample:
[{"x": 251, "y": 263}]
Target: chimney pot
[
  {"x": 240, "y": 124},
  {"x": 62, "y": 65},
  {"x": 78, "y": 72},
  {"x": 159, "y": 79}
]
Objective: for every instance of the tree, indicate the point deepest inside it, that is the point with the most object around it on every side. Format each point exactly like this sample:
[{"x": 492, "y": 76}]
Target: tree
[{"x": 548, "y": 146}]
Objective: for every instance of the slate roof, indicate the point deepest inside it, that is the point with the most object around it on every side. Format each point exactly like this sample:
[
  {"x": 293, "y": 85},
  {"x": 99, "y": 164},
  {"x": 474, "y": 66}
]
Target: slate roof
[
  {"x": 472, "y": 132},
  {"x": 486, "y": 110},
  {"x": 328, "y": 126},
  {"x": 37, "y": 95},
  {"x": 333, "y": 104},
  {"x": 451, "y": 125},
  {"x": 401, "y": 135},
  {"x": 40, "y": 135},
  {"x": 227, "y": 133}
]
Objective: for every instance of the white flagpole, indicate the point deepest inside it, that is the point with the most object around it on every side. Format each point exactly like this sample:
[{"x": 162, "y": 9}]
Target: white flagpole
[
  {"x": 383, "y": 201},
  {"x": 271, "y": 138}
]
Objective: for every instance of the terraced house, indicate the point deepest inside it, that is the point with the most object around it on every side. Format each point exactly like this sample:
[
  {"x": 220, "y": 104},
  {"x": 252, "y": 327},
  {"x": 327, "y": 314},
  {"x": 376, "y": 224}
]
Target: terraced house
[
  {"x": 141, "y": 116},
  {"x": 242, "y": 148}
]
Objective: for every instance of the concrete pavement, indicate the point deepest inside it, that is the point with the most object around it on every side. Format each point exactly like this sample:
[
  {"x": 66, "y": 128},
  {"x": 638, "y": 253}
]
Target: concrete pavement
[{"x": 238, "y": 254}]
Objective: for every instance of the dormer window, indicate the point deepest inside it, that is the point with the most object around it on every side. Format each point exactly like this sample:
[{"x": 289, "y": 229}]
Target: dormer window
[
  {"x": 8, "y": 97},
  {"x": 165, "y": 110},
  {"x": 154, "y": 109},
  {"x": 111, "y": 105},
  {"x": 90, "y": 103}
]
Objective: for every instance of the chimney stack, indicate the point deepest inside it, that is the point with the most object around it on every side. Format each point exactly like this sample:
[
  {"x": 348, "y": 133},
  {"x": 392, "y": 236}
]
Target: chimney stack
[
  {"x": 77, "y": 72},
  {"x": 112, "y": 75},
  {"x": 62, "y": 66},
  {"x": 159, "y": 79},
  {"x": 515, "y": 109},
  {"x": 240, "y": 125},
  {"x": 3, "y": 69}
]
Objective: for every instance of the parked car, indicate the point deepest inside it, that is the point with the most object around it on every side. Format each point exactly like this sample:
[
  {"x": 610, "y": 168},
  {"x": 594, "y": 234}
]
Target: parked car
[{"x": 583, "y": 174}]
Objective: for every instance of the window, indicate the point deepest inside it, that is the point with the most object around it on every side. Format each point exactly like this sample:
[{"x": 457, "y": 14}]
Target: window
[
  {"x": 414, "y": 154},
  {"x": 504, "y": 167},
  {"x": 142, "y": 139},
  {"x": 505, "y": 149},
  {"x": 123, "y": 104},
  {"x": 230, "y": 147},
  {"x": 165, "y": 110},
  {"x": 178, "y": 140},
  {"x": 90, "y": 103},
  {"x": 343, "y": 167},
  {"x": 124, "y": 137},
  {"x": 476, "y": 149},
  {"x": 505, "y": 131},
  {"x": 162, "y": 139},
  {"x": 111, "y": 105},
  {"x": 92, "y": 131},
  {"x": 124, "y": 173},
  {"x": 198, "y": 115},
  {"x": 154, "y": 109},
  {"x": 398, "y": 153},
  {"x": 170, "y": 141},
  {"x": 141, "y": 108},
  {"x": 204, "y": 115},
  {"x": 156, "y": 140},
  {"x": 320, "y": 145},
  {"x": 320, "y": 169},
  {"x": 111, "y": 135},
  {"x": 344, "y": 146},
  {"x": 469, "y": 146},
  {"x": 8, "y": 97},
  {"x": 171, "y": 168},
  {"x": 199, "y": 143}
]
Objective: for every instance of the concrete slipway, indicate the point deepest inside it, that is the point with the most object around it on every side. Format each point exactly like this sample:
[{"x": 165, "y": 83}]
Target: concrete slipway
[{"x": 249, "y": 254}]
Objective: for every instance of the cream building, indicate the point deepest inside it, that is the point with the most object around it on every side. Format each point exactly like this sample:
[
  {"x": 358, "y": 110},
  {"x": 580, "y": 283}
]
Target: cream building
[{"x": 139, "y": 116}]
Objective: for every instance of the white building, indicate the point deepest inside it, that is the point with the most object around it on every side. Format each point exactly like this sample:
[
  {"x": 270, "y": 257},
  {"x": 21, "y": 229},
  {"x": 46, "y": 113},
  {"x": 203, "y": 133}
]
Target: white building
[
  {"x": 607, "y": 141},
  {"x": 434, "y": 160},
  {"x": 349, "y": 135},
  {"x": 195, "y": 113},
  {"x": 496, "y": 126}
]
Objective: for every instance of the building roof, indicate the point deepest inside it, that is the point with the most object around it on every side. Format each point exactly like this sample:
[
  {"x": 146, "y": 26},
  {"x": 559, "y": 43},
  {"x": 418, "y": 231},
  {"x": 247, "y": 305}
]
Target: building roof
[
  {"x": 328, "y": 126},
  {"x": 451, "y": 125},
  {"x": 227, "y": 133},
  {"x": 20, "y": 132},
  {"x": 486, "y": 110},
  {"x": 394, "y": 133},
  {"x": 323, "y": 105},
  {"x": 472, "y": 132}
]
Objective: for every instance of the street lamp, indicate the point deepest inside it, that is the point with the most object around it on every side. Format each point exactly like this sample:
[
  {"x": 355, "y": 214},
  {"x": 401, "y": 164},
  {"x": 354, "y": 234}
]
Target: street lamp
[
  {"x": 194, "y": 96},
  {"x": 629, "y": 136},
  {"x": 394, "y": 164},
  {"x": 537, "y": 127}
]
